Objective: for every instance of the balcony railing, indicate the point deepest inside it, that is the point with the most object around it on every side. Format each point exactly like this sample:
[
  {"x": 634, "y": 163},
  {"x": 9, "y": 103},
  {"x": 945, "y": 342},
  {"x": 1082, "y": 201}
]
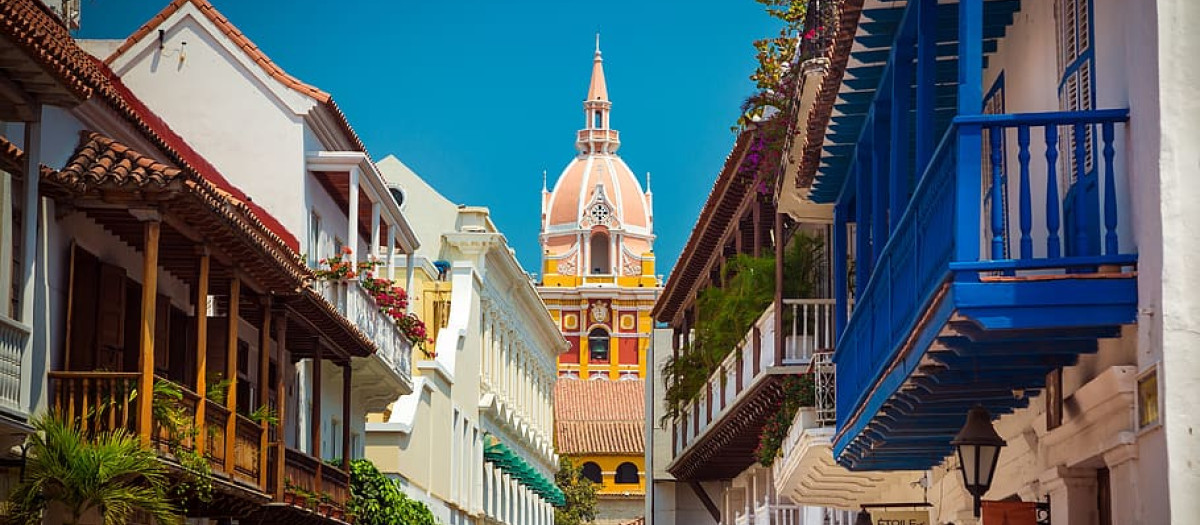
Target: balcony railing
[
  {"x": 810, "y": 329},
  {"x": 13, "y": 338},
  {"x": 310, "y": 484},
  {"x": 956, "y": 230},
  {"x": 772, "y": 514},
  {"x": 106, "y": 401},
  {"x": 357, "y": 305}
]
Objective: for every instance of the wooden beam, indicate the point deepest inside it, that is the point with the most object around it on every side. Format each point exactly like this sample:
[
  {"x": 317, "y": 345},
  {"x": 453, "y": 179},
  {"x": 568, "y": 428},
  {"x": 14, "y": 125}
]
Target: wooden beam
[
  {"x": 346, "y": 393},
  {"x": 201, "y": 348},
  {"x": 315, "y": 423},
  {"x": 706, "y": 500},
  {"x": 149, "y": 308},
  {"x": 264, "y": 362},
  {"x": 280, "y": 402},
  {"x": 231, "y": 350},
  {"x": 780, "y": 246}
]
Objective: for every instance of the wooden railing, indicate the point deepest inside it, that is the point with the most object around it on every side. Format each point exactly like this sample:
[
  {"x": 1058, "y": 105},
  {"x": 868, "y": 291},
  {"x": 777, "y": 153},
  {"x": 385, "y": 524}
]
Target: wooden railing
[
  {"x": 300, "y": 472},
  {"x": 247, "y": 449},
  {"x": 336, "y": 483},
  {"x": 215, "y": 417},
  {"x": 96, "y": 401}
]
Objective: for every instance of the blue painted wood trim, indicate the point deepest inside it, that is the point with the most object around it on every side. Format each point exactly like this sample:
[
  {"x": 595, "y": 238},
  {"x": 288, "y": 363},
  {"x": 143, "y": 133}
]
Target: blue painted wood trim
[
  {"x": 841, "y": 293},
  {"x": 926, "y": 84},
  {"x": 1035, "y": 264},
  {"x": 970, "y": 57},
  {"x": 862, "y": 223},
  {"x": 879, "y": 179},
  {"x": 899, "y": 161},
  {"x": 1057, "y": 118}
]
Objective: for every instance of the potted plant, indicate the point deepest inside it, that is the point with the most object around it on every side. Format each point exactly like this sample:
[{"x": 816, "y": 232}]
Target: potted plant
[{"x": 325, "y": 504}]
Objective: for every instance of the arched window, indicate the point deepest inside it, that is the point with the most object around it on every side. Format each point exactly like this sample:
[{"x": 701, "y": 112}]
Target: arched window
[
  {"x": 627, "y": 473},
  {"x": 600, "y": 262},
  {"x": 597, "y": 120},
  {"x": 598, "y": 344},
  {"x": 397, "y": 195},
  {"x": 592, "y": 471}
]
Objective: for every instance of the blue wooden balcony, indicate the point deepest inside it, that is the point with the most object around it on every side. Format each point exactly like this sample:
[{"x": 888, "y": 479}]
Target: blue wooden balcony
[{"x": 988, "y": 248}]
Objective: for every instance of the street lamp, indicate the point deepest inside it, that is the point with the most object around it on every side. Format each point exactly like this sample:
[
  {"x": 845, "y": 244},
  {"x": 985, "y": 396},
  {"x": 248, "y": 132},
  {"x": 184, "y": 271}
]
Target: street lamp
[
  {"x": 864, "y": 518},
  {"x": 978, "y": 447}
]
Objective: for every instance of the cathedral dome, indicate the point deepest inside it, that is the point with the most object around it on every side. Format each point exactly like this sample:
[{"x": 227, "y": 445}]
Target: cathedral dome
[{"x": 597, "y": 188}]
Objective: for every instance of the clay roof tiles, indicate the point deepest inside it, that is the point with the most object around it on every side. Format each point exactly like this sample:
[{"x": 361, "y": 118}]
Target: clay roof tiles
[{"x": 599, "y": 417}]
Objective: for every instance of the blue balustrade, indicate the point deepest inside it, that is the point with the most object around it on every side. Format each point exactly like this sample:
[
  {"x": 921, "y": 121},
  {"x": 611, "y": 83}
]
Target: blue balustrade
[{"x": 943, "y": 220}]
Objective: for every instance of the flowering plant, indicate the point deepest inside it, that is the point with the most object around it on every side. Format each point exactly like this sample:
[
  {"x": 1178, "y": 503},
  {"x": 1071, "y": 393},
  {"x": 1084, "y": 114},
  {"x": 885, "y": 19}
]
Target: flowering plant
[
  {"x": 414, "y": 328},
  {"x": 392, "y": 299},
  {"x": 797, "y": 392},
  {"x": 336, "y": 268}
]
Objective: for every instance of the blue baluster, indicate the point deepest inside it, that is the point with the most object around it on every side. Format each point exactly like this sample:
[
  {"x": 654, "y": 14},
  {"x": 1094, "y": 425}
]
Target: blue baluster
[
  {"x": 994, "y": 136},
  {"x": 1053, "y": 248},
  {"x": 1081, "y": 217},
  {"x": 1026, "y": 200},
  {"x": 1110, "y": 192}
]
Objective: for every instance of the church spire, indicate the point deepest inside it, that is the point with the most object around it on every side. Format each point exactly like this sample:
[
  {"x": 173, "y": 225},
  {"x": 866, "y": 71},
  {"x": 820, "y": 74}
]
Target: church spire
[
  {"x": 598, "y": 90},
  {"x": 597, "y": 135}
]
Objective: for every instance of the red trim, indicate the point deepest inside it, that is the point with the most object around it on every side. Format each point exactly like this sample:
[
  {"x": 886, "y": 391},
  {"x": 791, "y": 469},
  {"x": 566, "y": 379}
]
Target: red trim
[{"x": 194, "y": 159}]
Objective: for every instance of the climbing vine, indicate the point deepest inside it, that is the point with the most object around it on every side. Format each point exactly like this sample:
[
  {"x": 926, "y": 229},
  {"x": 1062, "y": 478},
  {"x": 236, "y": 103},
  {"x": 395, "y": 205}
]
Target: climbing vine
[{"x": 375, "y": 499}]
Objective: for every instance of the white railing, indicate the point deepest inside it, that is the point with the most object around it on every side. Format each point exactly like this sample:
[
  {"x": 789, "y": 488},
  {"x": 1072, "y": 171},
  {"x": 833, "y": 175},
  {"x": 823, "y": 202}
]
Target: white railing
[
  {"x": 13, "y": 337},
  {"x": 824, "y": 381},
  {"x": 741, "y": 519},
  {"x": 737, "y": 373},
  {"x": 812, "y": 328},
  {"x": 357, "y": 305},
  {"x": 779, "y": 515}
]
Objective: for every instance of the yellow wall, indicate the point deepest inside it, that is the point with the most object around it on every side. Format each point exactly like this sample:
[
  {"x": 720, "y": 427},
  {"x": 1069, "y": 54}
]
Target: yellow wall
[{"x": 608, "y": 467}]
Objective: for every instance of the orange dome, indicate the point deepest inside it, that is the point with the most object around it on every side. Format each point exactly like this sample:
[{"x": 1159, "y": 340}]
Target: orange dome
[{"x": 595, "y": 181}]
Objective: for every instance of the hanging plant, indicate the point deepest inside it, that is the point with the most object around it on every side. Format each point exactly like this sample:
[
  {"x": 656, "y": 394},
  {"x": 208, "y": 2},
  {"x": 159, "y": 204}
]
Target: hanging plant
[
  {"x": 336, "y": 268},
  {"x": 798, "y": 392}
]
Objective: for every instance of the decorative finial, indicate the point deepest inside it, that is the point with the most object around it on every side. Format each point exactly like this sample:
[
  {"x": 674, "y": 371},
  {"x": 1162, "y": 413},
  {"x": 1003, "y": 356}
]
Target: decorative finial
[
  {"x": 543, "y": 181},
  {"x": 597, "y": 44},
  {"x": 647, "y": 182}
]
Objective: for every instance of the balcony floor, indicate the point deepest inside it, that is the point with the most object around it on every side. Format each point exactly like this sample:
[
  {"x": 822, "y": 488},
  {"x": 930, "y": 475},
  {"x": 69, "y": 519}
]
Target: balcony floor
[
  {"x": 985, "y": 340},
  {"x": 727, "y": 447}
]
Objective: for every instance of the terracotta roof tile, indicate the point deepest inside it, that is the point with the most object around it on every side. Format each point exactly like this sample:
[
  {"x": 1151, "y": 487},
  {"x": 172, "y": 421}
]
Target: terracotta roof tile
[
  {"x": 599, "y": 417},
  {"x": 817, "y": 121},
  {"x": 32, "y": 27},
  {"x": 581, "y": 400},
  {"x": 252, "y": 50}
]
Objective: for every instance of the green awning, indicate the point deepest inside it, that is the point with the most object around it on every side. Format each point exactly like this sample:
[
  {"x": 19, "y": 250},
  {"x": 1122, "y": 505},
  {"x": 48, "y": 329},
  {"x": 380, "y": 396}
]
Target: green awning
[{"x": 511, "y": 463}]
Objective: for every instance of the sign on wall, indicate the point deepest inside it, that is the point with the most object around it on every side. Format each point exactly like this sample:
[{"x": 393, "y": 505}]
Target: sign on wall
[
  {"x": 900, "y": 517},
  {"x": 1009, "y": 512}
]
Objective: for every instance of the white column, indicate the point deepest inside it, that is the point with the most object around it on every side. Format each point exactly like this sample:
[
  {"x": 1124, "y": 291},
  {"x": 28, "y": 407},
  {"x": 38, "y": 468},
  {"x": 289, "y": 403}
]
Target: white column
[
  {"x": 1123, "y": 481},
  {"x": 29, "y": 251},
  {"x": 352, "y": 217},
  {"x": 1072, "y": 495},
  {"x": 391, "y": 258},
  {"x": 410, "y": 260},
  {"x": 374, "y": 231}
]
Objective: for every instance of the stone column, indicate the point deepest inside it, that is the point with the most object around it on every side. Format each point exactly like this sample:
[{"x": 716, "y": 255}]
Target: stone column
[
  {"x": 1123, "y": 479},
  {"x": 1072, "y": 495}
]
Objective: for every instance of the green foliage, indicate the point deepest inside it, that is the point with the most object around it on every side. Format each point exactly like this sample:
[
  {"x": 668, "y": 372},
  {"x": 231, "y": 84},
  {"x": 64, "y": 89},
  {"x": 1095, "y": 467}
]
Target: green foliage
[
  {"x": 217, "y": 389},
  {"x": 580, "y": 493},
  {"x": 798, "y": 392},
  {"x": 726, "y": 314},
  {"x": 106, "y": 472},
  {"x": 265, "y": 414},
  {"x": 774, "y": 53},
  {"x": 376, "y": 500}
]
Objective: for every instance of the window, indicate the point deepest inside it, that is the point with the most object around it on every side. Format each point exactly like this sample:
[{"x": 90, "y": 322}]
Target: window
[
  {"x": 314, "y": 239},
  {"x": 600, "y": 258},
  {"x": 591, "y": 471},
  {"x": 1077, "y": 172},
  {"x": 597, "y": 120},
  {"x": 598, "y": 344},
  {"x": 627, "y": 473},
  {"x": 397, "y": 195},
  {"x": 993, "y": 104}
]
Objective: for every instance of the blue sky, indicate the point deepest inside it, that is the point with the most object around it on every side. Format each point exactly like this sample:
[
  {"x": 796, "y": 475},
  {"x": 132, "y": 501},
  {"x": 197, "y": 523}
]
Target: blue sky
[{"x": 480, "y": 97}]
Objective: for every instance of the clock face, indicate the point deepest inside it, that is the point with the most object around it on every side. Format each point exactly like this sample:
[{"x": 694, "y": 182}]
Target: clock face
[{"x": 599, "y": 214}]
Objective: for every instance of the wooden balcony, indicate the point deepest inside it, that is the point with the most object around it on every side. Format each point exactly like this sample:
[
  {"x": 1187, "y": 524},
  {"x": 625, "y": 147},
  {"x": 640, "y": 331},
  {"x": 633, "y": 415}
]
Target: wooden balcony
[
  {"x": 718, "y": 432},
  {"x": 311, "y": 492},
  {"x": 106, "y": 401}
]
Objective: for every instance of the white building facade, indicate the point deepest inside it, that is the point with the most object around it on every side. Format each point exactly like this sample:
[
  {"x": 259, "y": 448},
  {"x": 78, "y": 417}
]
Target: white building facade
[{"x": 474, "y": 439}]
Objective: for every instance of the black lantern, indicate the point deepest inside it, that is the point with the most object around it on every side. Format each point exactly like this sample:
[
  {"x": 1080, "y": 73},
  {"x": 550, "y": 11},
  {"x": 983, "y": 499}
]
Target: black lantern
[
  {"x": 864, "y": 518},
  {"x": 978, "y": 447}
]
